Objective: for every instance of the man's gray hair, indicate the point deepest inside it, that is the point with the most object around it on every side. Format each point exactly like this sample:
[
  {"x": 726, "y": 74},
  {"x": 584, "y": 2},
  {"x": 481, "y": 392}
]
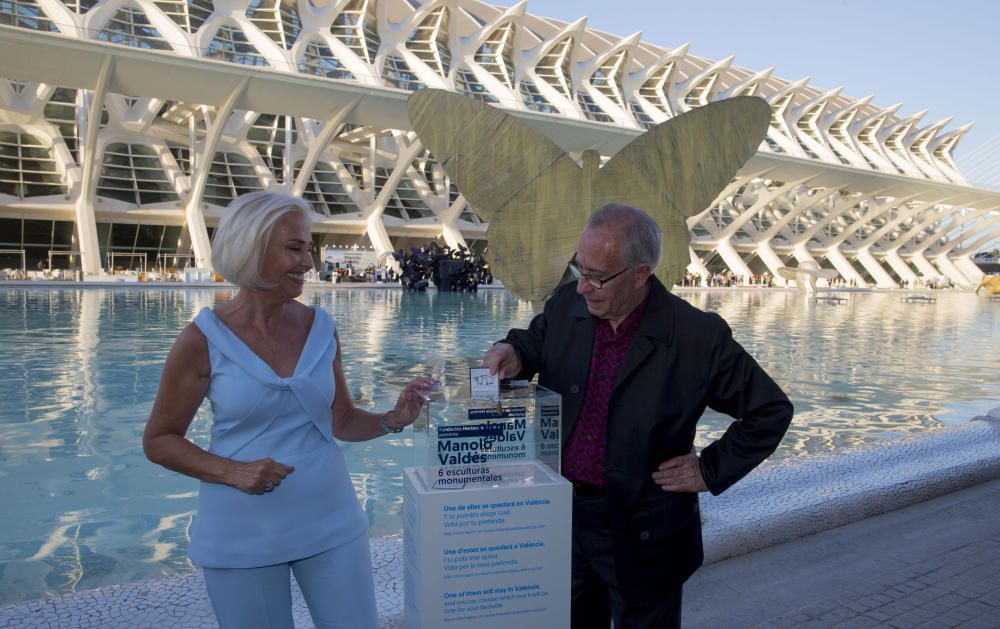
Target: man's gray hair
[
  {"x": 643, "y": 240},
  {"x": 240, "y": 241}
]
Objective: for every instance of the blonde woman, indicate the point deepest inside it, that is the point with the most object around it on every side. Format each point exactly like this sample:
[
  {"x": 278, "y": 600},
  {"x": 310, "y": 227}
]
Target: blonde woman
[{"x": 275, "y": 495}]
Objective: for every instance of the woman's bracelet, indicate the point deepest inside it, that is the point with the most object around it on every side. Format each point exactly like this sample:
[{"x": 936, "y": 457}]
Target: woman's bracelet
[{"x": 387, "y": 428}]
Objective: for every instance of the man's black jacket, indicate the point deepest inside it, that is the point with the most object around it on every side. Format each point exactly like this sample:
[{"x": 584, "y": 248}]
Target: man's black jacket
[{"x": 680, "y": 361}]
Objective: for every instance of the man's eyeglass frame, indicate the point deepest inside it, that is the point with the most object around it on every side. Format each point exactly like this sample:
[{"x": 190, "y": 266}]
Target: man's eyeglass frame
[{"x": 596, "y": 282}]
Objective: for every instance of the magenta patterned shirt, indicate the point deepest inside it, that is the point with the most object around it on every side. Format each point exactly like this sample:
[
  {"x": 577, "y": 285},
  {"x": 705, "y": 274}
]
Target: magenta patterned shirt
[{"x": 585, "y": 450}]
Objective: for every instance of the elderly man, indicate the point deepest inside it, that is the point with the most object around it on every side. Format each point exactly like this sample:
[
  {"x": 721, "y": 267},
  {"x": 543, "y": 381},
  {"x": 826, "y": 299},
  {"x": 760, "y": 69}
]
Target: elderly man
[{"x": 636, "y": 367}]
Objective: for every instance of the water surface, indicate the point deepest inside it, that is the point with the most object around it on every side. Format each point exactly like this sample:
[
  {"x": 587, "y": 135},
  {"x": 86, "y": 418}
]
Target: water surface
[{"x": 80, "y": 367}]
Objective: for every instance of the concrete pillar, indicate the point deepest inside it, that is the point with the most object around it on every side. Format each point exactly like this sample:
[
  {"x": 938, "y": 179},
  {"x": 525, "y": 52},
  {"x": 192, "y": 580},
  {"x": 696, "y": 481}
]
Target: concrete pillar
[
  {"x": 923, "y": 265},
  {"x": 949, "y": 270},
  {"x": 844, "y": 267},
  {"x": 732, "y": 258},
  {"x": 773, "y": 262},
  {"x": 86, "y": 222},
  {"x": 373, "y": 213},
  {"x": 194, "y": 219},
  {"x": 882, "y": 278},
  {"x": 697, "y": 265},
  {"x": 318, "y": 145},
  {"x": 900, "y": 267},
  {"x": 449, "y": 221},
  {"x": 969, "y": 269}
]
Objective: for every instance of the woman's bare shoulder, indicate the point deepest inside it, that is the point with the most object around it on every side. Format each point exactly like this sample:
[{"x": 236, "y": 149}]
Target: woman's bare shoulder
[
  {"x": 190, "y": 347},
  {"x": 192, "y": 335}
]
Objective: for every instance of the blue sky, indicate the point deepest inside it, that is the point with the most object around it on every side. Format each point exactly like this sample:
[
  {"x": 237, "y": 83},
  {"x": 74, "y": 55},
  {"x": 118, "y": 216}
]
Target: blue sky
[{"x": 941, "y": 56}]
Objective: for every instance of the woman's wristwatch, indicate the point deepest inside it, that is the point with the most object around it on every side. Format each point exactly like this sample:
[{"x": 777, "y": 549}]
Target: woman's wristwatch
[{"x": 387, "y": 428}]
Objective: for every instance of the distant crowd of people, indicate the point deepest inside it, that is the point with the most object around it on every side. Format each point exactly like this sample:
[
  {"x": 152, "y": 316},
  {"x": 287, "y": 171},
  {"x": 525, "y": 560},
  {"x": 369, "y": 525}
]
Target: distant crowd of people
[
  {"x": 449, "y": 269},
  {"x": 727, "y": 278},
  {"x": 345, "y": 271},
  {"x": 766, "y": 280},
  {"x": 839, "y": 282},
  {"x": 929, "y": 282}
]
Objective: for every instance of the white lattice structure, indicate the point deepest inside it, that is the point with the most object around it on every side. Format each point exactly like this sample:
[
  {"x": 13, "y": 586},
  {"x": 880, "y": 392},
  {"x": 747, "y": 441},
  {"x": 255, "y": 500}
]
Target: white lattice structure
[{"x": 127, "y": 125}]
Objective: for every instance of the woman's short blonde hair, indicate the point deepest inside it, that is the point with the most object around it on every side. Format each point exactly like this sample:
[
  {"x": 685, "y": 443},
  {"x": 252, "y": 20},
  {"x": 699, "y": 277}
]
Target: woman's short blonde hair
[{"x": 240, "y": 241}]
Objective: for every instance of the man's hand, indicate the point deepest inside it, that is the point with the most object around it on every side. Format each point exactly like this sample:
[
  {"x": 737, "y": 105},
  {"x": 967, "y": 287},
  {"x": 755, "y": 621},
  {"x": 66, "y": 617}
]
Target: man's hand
[
  {"x": 502, "y": 360},
  {"x": 681, "y": 473}
]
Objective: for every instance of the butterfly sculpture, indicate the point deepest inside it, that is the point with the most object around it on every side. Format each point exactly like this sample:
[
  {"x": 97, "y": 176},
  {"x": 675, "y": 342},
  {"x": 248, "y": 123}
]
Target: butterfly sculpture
[
  {"x": 537, "y": 198},
  {"x": 806, "y": 274}
]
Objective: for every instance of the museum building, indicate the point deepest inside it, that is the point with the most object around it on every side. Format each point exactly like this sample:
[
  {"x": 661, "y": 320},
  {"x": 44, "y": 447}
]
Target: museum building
[{"x": 127, "y": 126}]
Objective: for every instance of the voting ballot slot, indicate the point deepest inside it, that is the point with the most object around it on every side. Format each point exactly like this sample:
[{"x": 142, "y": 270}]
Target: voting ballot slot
[{"x": 487, "y": 517}]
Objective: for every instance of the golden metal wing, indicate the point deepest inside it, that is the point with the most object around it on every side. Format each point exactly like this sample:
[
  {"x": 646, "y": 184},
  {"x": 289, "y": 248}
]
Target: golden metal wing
[
  {"x": 677, "y": 169},
  {"x": 533, "y": 194}
]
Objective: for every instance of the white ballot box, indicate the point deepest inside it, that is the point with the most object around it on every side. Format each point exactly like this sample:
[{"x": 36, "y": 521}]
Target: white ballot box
[{"x": 488, "y": 520}]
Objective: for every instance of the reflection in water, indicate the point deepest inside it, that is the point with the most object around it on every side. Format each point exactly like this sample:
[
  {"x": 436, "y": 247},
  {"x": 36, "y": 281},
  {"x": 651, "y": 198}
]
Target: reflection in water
[
  {"x": 79, "y": 369},
  {"x": 870, "y": 368}
]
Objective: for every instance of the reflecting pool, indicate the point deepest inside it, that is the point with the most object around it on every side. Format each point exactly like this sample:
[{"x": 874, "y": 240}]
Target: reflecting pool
[{"x": 79, "y": 369}]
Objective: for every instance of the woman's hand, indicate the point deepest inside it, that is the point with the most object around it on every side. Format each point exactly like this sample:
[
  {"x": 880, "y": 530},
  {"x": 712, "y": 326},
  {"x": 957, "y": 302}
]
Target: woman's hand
[
  {"x": 259, "y": 477},
  {"x": 410, "y": 401}
]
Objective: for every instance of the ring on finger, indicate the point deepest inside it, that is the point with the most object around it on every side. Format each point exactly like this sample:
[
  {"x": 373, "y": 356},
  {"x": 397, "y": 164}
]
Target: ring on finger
[{"x": 268, "y": 486}]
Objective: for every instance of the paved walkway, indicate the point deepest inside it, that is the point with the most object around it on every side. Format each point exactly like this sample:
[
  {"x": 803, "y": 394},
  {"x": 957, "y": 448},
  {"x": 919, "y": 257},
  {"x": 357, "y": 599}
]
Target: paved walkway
[
  {"x": 933, "y": 564},
  {"x": 180, "y": 602}
]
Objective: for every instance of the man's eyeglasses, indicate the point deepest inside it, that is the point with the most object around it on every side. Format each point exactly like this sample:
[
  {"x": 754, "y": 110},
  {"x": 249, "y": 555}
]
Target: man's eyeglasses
[{"x": 592, "y": 279}]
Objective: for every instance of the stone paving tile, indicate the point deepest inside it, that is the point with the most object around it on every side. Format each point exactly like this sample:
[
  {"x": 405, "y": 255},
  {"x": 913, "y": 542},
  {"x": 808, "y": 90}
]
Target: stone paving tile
[
  {"x": 896, "y": 608},
  {"x": 864, "y": 621},
  {"x": 913, "y": 617},
  {"x": 839, "y": 614},
  {"x": 950, "y": 590},
  {"x": 817, "y": 621},
  {"x": 979, "y": 623},
  {"x": 859, "y": 606}
]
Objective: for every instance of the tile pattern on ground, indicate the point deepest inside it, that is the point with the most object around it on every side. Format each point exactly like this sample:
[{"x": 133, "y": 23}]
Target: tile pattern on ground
[
  {"x": 958, "y": 588},
  {"x": 180, "y": 601}
]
